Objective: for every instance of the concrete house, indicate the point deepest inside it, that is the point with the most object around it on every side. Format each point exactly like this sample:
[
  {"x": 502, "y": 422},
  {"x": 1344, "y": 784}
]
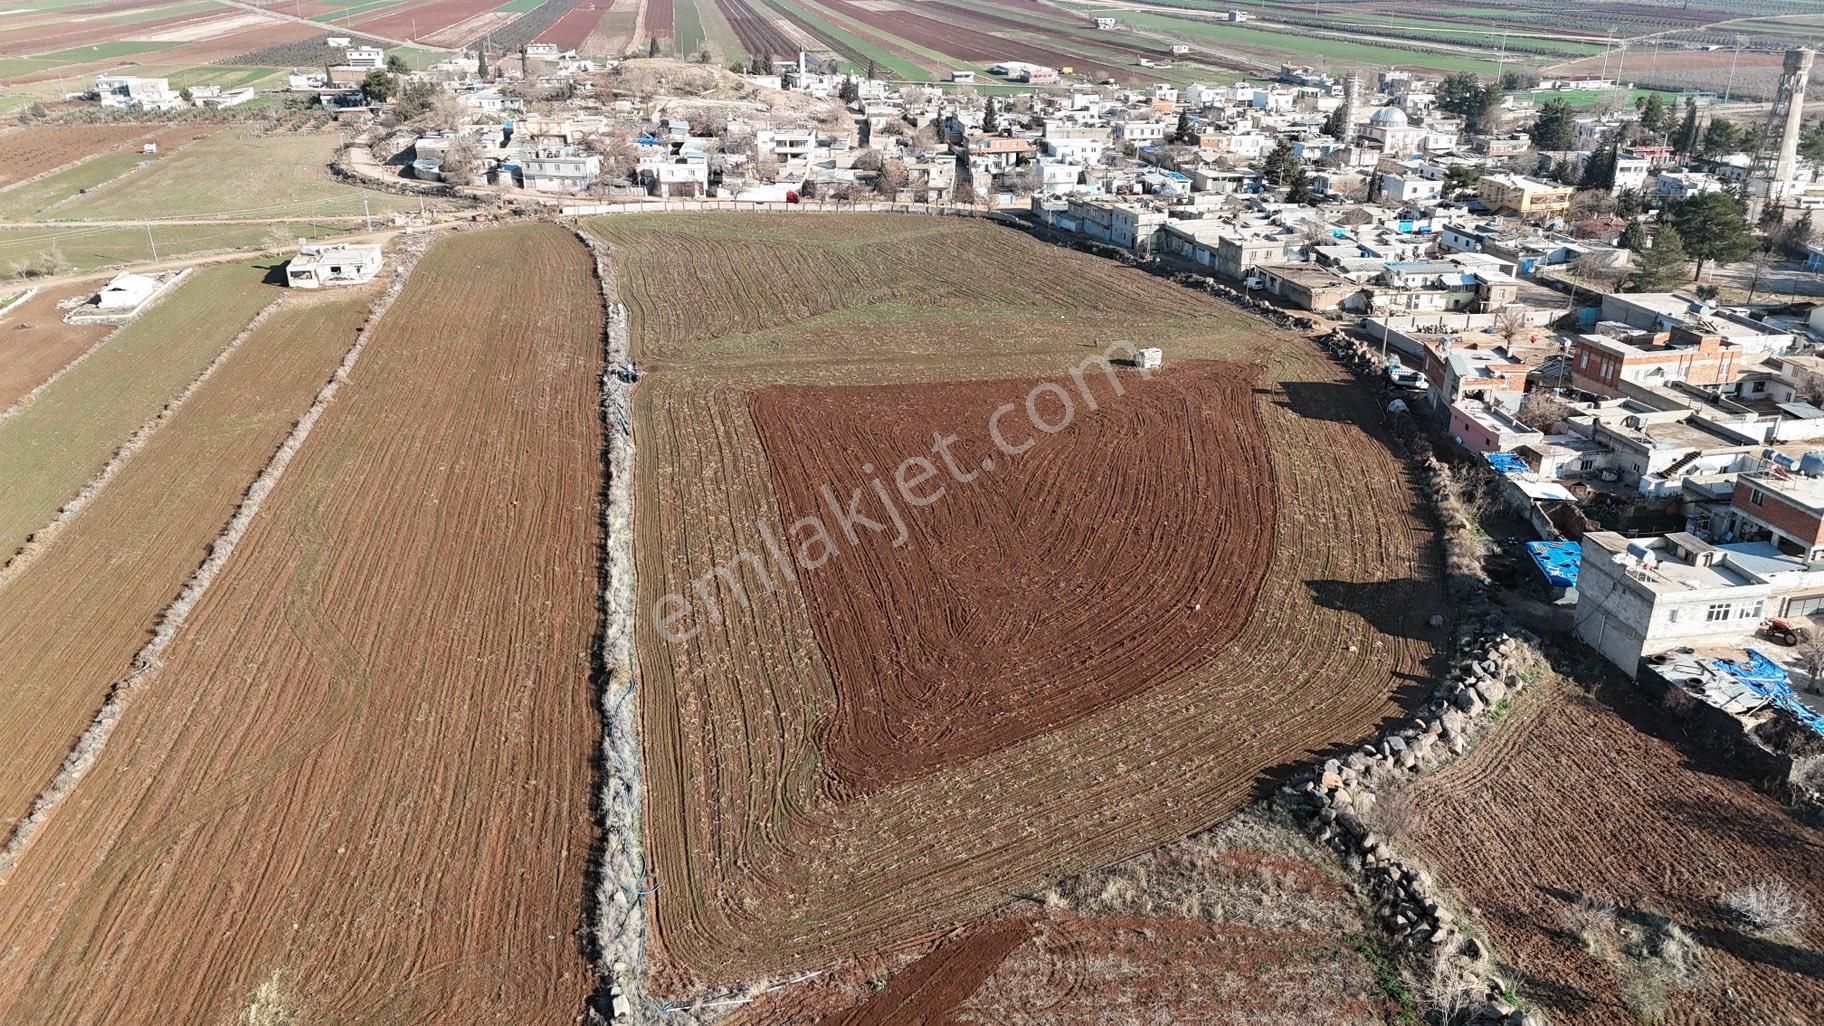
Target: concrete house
[{"x": 342, "y": 263}]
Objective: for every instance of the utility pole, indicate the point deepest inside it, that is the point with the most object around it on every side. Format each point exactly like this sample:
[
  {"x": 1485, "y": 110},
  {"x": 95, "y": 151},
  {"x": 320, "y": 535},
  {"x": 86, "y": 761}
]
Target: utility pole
[
  {"x": 366, "y": 213},
  {"x": 150, "y": 242},
  {"x": 1730, "y": 87}
]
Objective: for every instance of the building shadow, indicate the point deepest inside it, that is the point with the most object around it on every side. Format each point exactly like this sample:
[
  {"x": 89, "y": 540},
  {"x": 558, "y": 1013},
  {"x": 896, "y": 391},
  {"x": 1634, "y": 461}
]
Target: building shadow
[
  {"x": 1397, "y": 609},
  {"x": 1339, "y": 402}
]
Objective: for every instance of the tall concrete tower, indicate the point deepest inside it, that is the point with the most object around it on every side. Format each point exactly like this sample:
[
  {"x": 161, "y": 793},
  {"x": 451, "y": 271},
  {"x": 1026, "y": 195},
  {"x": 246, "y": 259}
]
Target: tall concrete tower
[
  {"x": 1352, "y": 102},
  {"x": 1773, "y": 173}
]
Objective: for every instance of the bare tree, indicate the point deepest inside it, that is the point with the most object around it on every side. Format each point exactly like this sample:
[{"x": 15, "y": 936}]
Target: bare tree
[
  {"x": 1540, "y": 410},
  {"x": 1809, "y": 386},
  {"x": 620, "y": 158},
  {"x": 891, "y": 179},
  {"x": 461, "y": 159},
  {"x": 1511, "y": 323},
  {"x": 1810, "y": 653},
  {"x": 1592, "y": 269}
]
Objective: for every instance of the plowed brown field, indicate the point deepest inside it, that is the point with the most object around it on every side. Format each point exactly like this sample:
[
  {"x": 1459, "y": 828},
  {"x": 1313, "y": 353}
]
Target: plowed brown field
[
  {"x": 1021, "y": 604},
  {"x": 123, "y": 560},
  {"x": 1570, "y": 799},
  {"x": 36, "y": 149},
  {"x": 35, "y": 343},
  {"x": 1184, "y": 934},
  {"x": 766, "y": 855},
  {"x": 359, "y": 785}
]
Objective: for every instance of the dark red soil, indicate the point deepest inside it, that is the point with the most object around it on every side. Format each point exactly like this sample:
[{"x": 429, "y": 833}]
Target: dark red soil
[{"x": 1041, "y": 590}]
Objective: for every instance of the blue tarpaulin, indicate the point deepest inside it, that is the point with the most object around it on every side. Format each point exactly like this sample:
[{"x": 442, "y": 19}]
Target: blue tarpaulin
[
  {"x": 1506, "y": 463},
  {"x": 1769, "y": 680},
  {"x": 1559, "y": 561}
]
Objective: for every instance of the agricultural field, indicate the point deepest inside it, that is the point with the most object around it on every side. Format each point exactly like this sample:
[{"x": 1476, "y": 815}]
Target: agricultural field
[
  {"x": 1583, "y": 830},
  {"x": 42, "y": 148},
  {"x": 807, "y": 801},
  {"x": 117, "y": 565},
  {"x": 57, "y": 249},
  {"x": 34, "y": 341},
  {"x": 1185, "y": 931},
  {"x": 40, "y": 195},
  {"x": 59, "y": 441},
  {"x": 52, "y": 46},
  {"x": 237, "y": 173},
  {"x": 356, "y": 787}
]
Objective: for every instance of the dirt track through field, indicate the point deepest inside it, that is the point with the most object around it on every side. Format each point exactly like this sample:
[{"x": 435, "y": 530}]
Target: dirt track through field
[
  {"x": 361, "y": 778},
  {"x": 1037, "y": 591},
  {"x": 1570, "y": 799},
  {"x": 766, "y": 863},
  {"x": 117, "y": 566}
]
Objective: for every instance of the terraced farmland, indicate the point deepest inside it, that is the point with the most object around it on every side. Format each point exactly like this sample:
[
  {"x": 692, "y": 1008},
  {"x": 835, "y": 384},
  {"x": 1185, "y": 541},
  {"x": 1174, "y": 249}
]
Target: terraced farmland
[
  {"x": 775, "y": 851},
  {"x": 37, "y": 344},
  {"x": 115, "y": 567},
  {"x": 355, "y": 786},
  {"x": 64, "y": 437},
  {"x": 1574, "y": 801}
]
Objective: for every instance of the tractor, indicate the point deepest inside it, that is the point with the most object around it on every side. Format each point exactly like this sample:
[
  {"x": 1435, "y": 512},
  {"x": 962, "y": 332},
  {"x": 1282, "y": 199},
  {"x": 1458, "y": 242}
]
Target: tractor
[{"x": 1784, "y": 632}]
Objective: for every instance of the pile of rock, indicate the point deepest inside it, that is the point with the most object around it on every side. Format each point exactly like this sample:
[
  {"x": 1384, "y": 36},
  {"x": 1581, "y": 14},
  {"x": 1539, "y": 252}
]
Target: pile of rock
[{"x": 1333, "y": 802}]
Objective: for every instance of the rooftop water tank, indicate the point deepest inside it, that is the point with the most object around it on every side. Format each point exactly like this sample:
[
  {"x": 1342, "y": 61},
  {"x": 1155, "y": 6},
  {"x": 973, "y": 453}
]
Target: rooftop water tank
[{"x": 1812, "y": 464}]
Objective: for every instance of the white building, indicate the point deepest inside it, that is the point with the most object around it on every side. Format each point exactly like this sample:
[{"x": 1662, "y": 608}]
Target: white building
[
  {"x": 126, "y": 292},
  {"x": 1677, "y": 185},
  {"x": 125, "y": 92},
  {"x": 339, "y": 263},
  {"x": 364, "y": 58},
  {"x": 561, "y": 169},
  {"x": 1410, "y": 188},
  {"x": 1642, "y": 597}
]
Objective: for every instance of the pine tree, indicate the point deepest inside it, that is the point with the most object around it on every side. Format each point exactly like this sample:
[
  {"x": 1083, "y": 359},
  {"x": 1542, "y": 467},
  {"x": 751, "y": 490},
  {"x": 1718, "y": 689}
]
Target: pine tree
[
  {"x": 1553, "y": 128},
  {"x": 1280, "y": 165},
  {"x": 989, "y": 124},
  {"x": 1599, "y": 170},
  {"x": 1183, "y": 131},
  {"x": 871, "y": 68},
  {"x": 1374, "y": 187},
  {"x": 1334, "y": 125},
  {"x": 481, "y": 63},
  {"x": 1662, "y": 267},
  {"x": 1712, "y": 228},
  {"x": 1300, "y": 191},
  {"x": 1634, "y": 237},
  {"x": 1653, "y": 114},
  {"x": 1685, "y": 139},
  {"x": 652, "y": 48},
  {"x": 1628, "y": 203}
]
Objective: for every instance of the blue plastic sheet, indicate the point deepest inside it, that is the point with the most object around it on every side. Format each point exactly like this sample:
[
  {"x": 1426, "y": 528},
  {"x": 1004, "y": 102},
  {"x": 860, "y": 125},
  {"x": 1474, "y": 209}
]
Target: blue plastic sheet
[
  {"x": 1559, "y": 561},
  {"x": 1769, "y": 679},
  {"x": 1506, "y": 463}
]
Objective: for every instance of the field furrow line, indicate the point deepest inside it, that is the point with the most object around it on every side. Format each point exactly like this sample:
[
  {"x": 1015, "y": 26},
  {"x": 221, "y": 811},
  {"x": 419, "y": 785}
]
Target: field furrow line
[
  {"x": 149, "y": 660},
  {"x": 36, "y": 542}
]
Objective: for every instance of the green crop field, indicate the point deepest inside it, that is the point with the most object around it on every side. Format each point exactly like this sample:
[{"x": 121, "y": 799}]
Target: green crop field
[
  {"x": 61, "y": 440},
  {"x": 236, "y": 174},
  {"x": 95, "y": 247},
  {"x": 29, "y": 199},
  {"x": 1295, "y": 46},
  {"x": 687, "y": 33}
]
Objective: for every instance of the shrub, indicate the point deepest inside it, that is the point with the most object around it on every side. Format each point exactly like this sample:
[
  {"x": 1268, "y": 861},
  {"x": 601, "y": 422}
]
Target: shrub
[{"x": 1768, "y": 907}]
